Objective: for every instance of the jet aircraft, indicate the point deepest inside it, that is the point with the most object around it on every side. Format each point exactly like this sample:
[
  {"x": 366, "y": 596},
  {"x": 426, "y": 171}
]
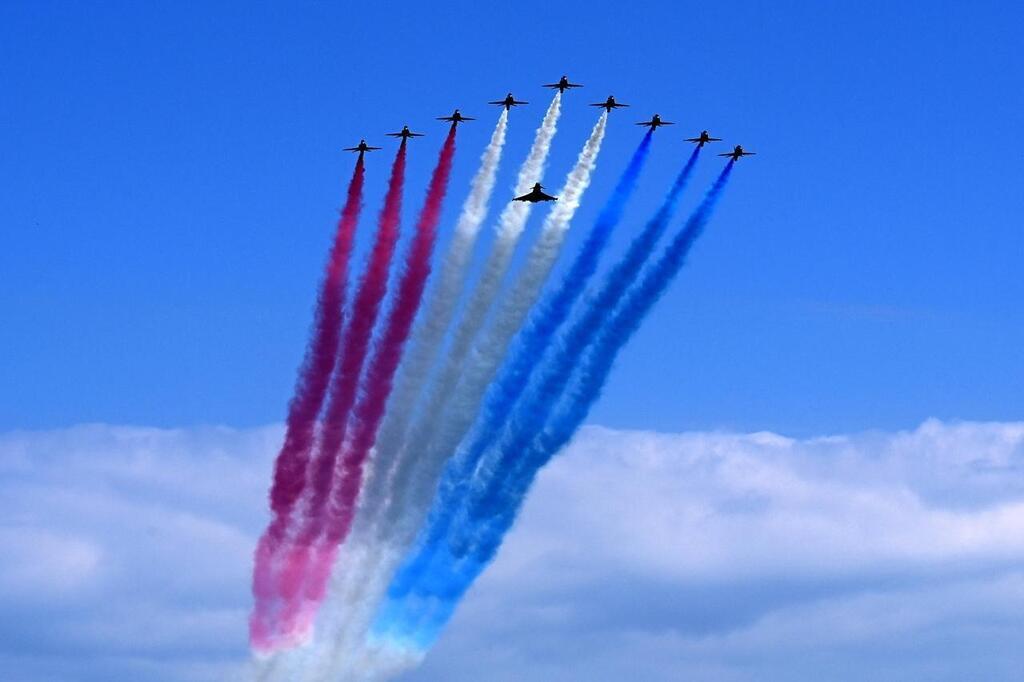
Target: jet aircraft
[
  {"x": 563, "y": 84},
  {"x": 455, "y": 118},
  {"x": 609, "y": 104},
  {"x": 405, "y": 134},
  {"x": 361, "y": 147},
  {"x": 703, "y": 139},
  {"x": 655, "y": 122},
  {"x": 737, "y": 152},
  {"x": 535, "y": 195},
  {"x": 508, "y": 102}
]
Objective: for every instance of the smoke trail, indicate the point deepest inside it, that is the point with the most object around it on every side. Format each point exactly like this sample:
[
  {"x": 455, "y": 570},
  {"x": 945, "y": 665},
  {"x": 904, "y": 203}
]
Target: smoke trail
[
  {"x": 534, "y": 340},
  {"x": 430, "y": 331},
  {"x": 495, "y": 512},
  {"x": 511, "y": 223},
  {"x": 418, "y": 567},
  {"x": 376, "y": 386},
  {"x": 314, "y": 374},
  {"x": 341, "y": 391},
  {"x": 491, "y": 347},
  {"x": 510, "y": 228},
  {"x": 395, "y": 445},
  {"x": 358, "y": 575},
  {"x": 509, "y": 318}
]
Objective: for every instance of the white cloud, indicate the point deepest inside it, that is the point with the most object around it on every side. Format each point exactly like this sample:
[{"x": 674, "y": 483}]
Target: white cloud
[
  {"x": 749, "y": 557},
  {"x": 125, "y": 554}
]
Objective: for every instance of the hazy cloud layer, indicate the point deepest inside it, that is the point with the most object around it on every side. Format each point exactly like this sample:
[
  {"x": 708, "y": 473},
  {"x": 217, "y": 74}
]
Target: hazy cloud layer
[{"x": 125, "y": 554}]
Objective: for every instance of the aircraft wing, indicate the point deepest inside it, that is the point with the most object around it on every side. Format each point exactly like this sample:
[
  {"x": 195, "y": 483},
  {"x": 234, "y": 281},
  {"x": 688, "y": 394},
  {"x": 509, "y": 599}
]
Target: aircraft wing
[
  {"x": 693, "y": 139},
  {"x": 552, "y": 85},
  {"x": 546, "y": 197},
  {"x": 515, "y": 101},
  {"x": 393, "y": 134},
  {"x": 351, "y": 149},
  {"x": 416, "y": 134},
  {"x": 714, "y": 139},
  {"x": 447, "y": 118}
]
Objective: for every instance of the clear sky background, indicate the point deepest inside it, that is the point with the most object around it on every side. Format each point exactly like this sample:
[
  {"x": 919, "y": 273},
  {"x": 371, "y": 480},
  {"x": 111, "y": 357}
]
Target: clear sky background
[{"x": 169, "y": 176}]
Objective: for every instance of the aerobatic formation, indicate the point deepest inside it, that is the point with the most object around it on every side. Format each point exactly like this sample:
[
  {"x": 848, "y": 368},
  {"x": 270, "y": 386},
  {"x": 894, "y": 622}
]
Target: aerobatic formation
[{"x": 421, "y": 416}]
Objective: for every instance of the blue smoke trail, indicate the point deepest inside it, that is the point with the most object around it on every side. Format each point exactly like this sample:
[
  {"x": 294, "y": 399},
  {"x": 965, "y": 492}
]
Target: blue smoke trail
[
  {"x": 430, "y": 571},
  {"x": 542, "y": 441},
  {"x": 515, "y": 375},
  {"x": 498, "y": 509}
]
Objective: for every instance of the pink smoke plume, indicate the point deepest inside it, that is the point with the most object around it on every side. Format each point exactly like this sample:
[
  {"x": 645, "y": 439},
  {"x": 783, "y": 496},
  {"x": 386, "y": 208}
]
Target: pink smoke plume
[
  {"x": 369, "y": 410},
  {"x": 311, "y": 386},
  {"x": 284, "y": 581}
]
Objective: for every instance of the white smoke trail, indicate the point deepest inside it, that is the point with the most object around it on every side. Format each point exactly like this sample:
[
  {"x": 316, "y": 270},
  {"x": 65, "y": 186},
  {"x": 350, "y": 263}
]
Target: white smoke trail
[
  {"x": 410, "y": 506},
  {"x": 510, "y": 228},
  {"x": 359, "y": 581},
  {"x": 429, "y": 333},
  {"x": 491, "y": 348}
]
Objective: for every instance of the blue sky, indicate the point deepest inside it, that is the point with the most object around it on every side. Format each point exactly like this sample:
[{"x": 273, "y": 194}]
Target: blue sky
[{"x": 170, "y": 174}]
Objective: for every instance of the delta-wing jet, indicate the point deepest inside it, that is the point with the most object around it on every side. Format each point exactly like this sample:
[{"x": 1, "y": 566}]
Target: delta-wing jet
[{"x": 535, "y": 195}]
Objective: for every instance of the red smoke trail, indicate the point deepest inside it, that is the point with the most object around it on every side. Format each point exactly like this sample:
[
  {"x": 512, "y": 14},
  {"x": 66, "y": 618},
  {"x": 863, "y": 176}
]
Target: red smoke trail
[
  {"x": 342, "y": 389},
  {"x": 311, "y": 385},
  {"x": 377, "y": 383}
]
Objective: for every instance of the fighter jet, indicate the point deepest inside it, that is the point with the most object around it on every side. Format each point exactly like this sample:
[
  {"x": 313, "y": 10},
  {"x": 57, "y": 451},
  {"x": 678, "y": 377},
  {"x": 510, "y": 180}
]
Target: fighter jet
[
  {"x": 563, "y": 84},
  {"x": 609, "y": 104},
  {"x": 655, "y": 122},
  {"x": 535, "y": 195},
  {"x": 703, "y": 139},
  {"x": 737, "y": 152},
  {"x": 455, "y": 118},
  {"x": 405, "y": 134},
  {"x": 508, "y": 102},
  {"x": 361, "y": 147}
]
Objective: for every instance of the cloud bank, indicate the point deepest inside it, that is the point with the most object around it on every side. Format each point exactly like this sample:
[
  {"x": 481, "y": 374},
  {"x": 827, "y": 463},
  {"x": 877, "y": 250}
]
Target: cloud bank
[{"x": 125, "y": 554}]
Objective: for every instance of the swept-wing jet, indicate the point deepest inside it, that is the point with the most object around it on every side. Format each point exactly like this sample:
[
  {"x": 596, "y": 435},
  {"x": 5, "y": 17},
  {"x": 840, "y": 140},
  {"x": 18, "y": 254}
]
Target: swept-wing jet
[
  {"x": 563, "y": 84},
  {"x": 737, "y": 152},
  {"x": 455, "y": 118},
  {"x": 655, "y": 122},
  {"x": 703, "y": 139},
  {"x": 508, "y": 102},
  {"x": 535, "y": 195},
  {"x": 609, "y": 104},
  {"x": 405, "y": 134},
  {"x": 361, "y": 147}
]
